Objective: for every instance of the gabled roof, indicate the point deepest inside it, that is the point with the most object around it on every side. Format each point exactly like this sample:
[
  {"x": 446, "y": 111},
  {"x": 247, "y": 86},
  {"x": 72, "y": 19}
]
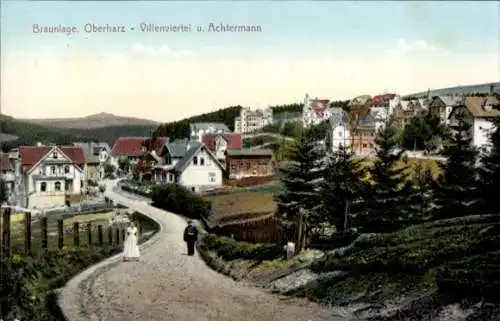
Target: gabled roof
[
  {"x": 356, "y": 114},
  {"x": 205, "y": 126},
  {"x": 194, "y": 148},
  {"x": 367, "y": 121},
  {"x": 90, "y": 148},
  {"x": 128, "y": 146},
  {"x": 177, "y": 148},
  {"x": 319, "y": 105},
  {"x": 450, "y": 100},
  {"x": 31, "y": 155},
  {"x": 234, "y": 140},
  {"x": 475, "y": 105},
  {"x": 5, "y": 164},
  {"x": 381, "y": 99}
]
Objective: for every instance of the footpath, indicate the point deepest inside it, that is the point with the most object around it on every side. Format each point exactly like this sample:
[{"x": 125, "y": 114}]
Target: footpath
[{"x": 168, "y": 285}]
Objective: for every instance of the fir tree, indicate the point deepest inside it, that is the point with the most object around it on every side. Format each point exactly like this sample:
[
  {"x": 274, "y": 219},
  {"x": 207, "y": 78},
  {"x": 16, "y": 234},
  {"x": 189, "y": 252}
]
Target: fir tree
[
  {"x": 456, "y": 194},
  {"x": 300, "y": 181},
  {"x": 342, "y": 188},
  {"x": 423, "y": 187},
  {"x": 390, "y": 187},
  {"x": 490, "y": 172}
]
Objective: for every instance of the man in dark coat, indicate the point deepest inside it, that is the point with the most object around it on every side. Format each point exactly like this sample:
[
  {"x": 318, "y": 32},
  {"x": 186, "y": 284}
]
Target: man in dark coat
[{"x": 190, "y": 237}]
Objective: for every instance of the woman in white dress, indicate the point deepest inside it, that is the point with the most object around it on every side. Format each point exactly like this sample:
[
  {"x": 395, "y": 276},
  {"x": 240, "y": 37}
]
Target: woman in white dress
[{"x": 130, "y": 247}]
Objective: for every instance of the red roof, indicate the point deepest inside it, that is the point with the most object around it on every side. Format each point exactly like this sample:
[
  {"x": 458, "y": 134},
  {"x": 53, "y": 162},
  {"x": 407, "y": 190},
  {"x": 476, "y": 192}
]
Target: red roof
[
  {"x": 380, "y": 99},
  {"x": 5, "y": 164},
  {"x": 234, "y": 140},
  {"x": 157, "y": 145},
  {"x": 30, "y": 155},
  {"x": 128, "y": 146}
]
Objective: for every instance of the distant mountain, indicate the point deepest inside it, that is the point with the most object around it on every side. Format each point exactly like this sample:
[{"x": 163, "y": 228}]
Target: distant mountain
[
  {"x": 461, "y": 90},
  {"x": 100, "y": 120},
  {"x": 110, "y": 134},
  {"x": 14, "y": 133}
]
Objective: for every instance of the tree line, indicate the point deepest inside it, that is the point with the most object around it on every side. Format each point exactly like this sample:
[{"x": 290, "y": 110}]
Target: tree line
[{"x": 340, "y": 189}]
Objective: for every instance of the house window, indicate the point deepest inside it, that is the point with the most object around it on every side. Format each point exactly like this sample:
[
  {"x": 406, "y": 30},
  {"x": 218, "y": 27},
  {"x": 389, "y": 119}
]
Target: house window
[
  {"x": 195, "y": 160},
  {"x": 66, "y": 169},
  {"x": 53, "y": 170},
  {"x": 340, "y": 134},
  {"x": 43, "y": 187},
  {"x": 364, "y": 145},
  {"x": 211, "y": 179},
  {"x": 57, "y": 186},
  {"x": 67, "y": 185},
  {"x": 202, "y": 161},
  {"x": 54, "y": 155}
]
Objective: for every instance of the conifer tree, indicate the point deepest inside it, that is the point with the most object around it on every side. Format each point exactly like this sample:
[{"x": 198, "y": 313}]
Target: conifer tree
[
  {"x": 389, "y": 199},
  {"x": 423, "y": 187},
  {"x": 300, "y": 182},
  {"x": 342, "y": 188},
  {"x": 490, "y": 172},
  {"x": 457, "y": 192}
]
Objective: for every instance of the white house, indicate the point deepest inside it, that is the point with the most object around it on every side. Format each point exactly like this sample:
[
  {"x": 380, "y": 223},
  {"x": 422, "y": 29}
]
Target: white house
[
  {"x": 340, "y": 133},
  {"x": 380, "y": 116},
  {"x": 190, "y": 164},
  {"x": 252, "y": 120},
  {"x": 197, "y": 130},
  {"x": 478, "y": 112},
  {"x": 315, "y": 111},
  {"x": 50, "y": 173}
]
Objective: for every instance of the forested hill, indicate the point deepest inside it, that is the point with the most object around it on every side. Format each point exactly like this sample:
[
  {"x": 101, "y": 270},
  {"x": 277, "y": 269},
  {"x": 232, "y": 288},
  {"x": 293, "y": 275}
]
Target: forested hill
[
  {"x": 180, "y": 129},
  {"x": 289, "y": 108},
  {"x": 30, "y": 134}
]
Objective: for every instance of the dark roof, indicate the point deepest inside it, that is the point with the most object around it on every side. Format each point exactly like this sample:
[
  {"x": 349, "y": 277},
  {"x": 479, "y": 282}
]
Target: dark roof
[
  {"x": 194, "y": 147},
  {"x": 249, "y": 152},
  {"x": 177, "y": 148}
]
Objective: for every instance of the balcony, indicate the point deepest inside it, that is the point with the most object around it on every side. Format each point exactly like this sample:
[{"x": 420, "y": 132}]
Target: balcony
[{"x": 51, "y": 176}]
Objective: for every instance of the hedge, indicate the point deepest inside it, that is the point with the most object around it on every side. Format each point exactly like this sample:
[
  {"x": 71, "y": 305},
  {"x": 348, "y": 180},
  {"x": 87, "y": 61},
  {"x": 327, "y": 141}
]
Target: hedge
[{"x": 177, "y": 199}]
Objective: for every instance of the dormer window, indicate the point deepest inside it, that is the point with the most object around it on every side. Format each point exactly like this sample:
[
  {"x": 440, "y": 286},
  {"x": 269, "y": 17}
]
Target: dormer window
[{"x": 54, "y": 155}]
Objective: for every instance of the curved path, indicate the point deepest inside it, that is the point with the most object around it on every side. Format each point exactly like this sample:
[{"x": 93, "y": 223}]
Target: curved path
[{"x": 169, "y": 285}]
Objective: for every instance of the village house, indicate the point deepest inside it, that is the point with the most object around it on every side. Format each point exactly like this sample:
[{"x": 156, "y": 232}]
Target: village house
[
  {"x": 220, "y": 142},
  {"x": 407, "y": 109},
  {"x": 478, "y": 112},
  {"x": 252, "y": 120},
  {"x": 382, "y": 100},
  {"x": 363, "y": 136},
  {"x": 96, "y": 155},
  {"x": 134, "y": 148},
  {"x": 363, "y": 101},
  {"x": 441, "y": 106},
  {"x": 50, "y": 173},
  {"x": 188, "y": 163},
  {"x": 197, "y": 130},
  {"x": 339, "y": 134},
  {"x": 315, "y": 111},
  {"x": 243, "y": 163}
]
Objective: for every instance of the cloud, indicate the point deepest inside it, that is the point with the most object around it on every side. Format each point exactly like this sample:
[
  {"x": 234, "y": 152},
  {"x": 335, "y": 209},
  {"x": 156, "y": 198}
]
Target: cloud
[
  {"x": 403, "y": 47},
  {"x": 162, "y": 51}
]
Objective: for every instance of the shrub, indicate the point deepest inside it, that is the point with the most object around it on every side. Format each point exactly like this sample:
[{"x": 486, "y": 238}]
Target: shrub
[
  {"x": 229, "y": 249},
  {"x": 178, "y": 199},
  {"x": 28, "y": 283}
]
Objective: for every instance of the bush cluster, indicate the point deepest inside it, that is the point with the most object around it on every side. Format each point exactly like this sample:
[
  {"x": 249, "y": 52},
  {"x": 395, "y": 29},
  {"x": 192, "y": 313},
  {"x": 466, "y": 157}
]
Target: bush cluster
[
  {"x": 177, "y": 199},
  {"x": 229, "y": 249},
  {"x": 28, "y": 283}
]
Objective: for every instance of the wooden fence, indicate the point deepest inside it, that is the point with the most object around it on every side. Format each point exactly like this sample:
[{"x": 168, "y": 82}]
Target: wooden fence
[{"x": 91, "y": 234}]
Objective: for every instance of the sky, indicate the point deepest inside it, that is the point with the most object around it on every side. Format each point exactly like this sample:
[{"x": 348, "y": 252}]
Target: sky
[{"x": 328, "y": 49}]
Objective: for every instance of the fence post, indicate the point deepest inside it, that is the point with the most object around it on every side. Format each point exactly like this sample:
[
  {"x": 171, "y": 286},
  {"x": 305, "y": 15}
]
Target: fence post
[
  {"x": 6, "y": 232},
  {"x": 76, "y": 234},
  {"x": 27, "y": 233},
  {"x": 60, "y": 234},
  {"x": 89, "y": 233},
  {"x": 117, "y": 236},
  {"x": 99, "y": 235},
  {"x": 110, "y": 235},
  {"x": 45, "y": 234}
]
